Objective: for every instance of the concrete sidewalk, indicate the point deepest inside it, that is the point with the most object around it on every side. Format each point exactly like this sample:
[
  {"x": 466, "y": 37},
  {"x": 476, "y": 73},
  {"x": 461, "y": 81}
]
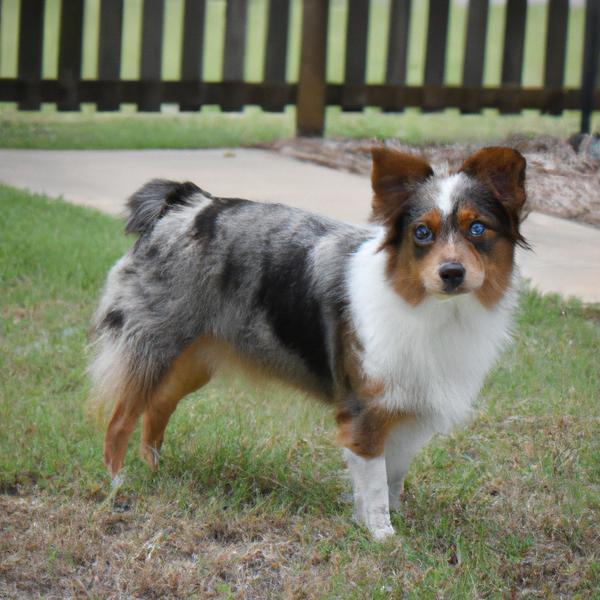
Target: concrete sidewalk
[{"x": 566, "y": 257}]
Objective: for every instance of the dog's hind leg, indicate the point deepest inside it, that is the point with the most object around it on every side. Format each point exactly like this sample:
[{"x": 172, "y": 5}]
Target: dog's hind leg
[
  {"x": 189, "y": 372},
  {"x": 124, "y": 417}
]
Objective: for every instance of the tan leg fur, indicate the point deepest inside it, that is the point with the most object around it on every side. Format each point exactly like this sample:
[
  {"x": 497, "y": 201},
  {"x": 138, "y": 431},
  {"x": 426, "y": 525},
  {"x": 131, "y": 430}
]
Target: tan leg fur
[{"x": 189, "y": 372}]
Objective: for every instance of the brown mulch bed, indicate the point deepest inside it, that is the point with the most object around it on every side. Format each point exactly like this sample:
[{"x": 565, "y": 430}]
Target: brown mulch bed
[{"x": 560, "y": 180}]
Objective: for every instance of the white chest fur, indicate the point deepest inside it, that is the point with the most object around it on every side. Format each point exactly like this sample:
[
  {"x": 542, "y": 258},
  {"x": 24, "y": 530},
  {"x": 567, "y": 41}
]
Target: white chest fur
[{"x": 431, "y": 358}]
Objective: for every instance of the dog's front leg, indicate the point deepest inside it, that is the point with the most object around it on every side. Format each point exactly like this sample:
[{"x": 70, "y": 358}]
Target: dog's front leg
[
  {"x": 363, "y": 430},
  {"x": 369, "y": 484},
  {"x": 402, "y": 444}
]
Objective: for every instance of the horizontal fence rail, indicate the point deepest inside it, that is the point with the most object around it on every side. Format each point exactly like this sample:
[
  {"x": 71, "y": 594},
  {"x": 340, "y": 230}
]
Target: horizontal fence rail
[{"x": 312, "y": 93}]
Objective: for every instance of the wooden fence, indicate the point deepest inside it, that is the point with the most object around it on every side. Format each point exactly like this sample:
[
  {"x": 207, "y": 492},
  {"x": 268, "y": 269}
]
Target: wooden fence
[{"x": 312, "y": 93}]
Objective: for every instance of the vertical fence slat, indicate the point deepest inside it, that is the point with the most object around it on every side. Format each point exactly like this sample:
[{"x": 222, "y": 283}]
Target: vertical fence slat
[
  {"x": 514, "y": 42},
  {"x": 235, "y": 40},
  {"x": 152, "y": 38},
  {"x": 437, "y": 34},
  {"x": 397, "y": 53},
  {"x": 475, "y": 44},
  {"x": 193, "y": 47},
  {"x": 356, "y": 47},
  {"x": 556, "y": 43},
  {"x": 276, "y": 53},
  {"x": 514, "y": 46},
  {"x": 193, "y": 40},
  {"x": 109, "y": 53},
  {"x": 475, "y": 49},
  {"x": 31, "y": 31},
  {"x": 70, "y": 52},
  {"x": 310, "y": 113},
  {"x": 590, "y": 63},
  {"x": 556, "y": 48},
  {"x": 235, "y": 46},
  {"x": 277, "y": 38}
]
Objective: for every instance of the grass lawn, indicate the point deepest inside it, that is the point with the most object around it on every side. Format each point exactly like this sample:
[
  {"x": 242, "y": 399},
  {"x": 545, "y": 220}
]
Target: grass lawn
[
  {"x": 213, "y": 129},
  {"x": 248, "y": 500}
]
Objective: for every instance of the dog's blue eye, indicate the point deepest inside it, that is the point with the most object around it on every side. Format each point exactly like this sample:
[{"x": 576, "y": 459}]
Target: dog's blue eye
[
  {"x": 423, "y": 233},
  {"x": 476, "y": 229}
]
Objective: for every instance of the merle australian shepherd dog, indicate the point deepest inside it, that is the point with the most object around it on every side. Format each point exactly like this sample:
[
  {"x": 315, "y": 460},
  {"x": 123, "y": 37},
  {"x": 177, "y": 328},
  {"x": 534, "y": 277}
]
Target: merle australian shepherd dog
[{"x": 394, "y": 324}]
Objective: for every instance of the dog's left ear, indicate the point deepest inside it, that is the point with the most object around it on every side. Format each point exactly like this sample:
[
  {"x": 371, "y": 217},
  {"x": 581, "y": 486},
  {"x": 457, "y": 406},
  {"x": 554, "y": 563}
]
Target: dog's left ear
[
  {"x": 502, "y": 170},
  {"x": 393, "y": 177}
]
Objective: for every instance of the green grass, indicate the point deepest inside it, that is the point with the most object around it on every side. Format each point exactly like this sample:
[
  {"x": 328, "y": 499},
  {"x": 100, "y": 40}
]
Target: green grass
[
  {"x": 247, "y": 500},
  {"x": 210, "y": 128}
]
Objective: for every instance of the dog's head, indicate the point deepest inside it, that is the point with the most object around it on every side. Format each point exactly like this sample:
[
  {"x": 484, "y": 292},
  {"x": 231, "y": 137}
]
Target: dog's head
[{"x": 449, "y": 234}]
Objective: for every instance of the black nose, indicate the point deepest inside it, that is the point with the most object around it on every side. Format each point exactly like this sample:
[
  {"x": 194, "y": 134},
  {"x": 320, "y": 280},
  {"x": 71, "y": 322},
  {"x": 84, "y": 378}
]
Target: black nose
[{"x": 452, "y": 274}]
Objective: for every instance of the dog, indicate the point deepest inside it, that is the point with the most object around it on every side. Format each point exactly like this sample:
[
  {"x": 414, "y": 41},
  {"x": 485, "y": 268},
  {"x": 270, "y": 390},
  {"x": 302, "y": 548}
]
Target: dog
[{"x": 395, "y": 324}]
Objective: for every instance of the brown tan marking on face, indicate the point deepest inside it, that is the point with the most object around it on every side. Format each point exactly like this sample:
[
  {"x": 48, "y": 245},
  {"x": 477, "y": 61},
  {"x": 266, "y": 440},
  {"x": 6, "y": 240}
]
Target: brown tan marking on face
[
  {"x": 403, "y": 273},
  {"x": 495, "y": 253},
  {"x": 414, "y": 268},
  {"x": 502, "y": 172},
  {"x": 457, "y": 250},
  {"x": 498, "y": 267},
  {"x": 403, "y": 267},
  {"x": 466, "y": 215}
]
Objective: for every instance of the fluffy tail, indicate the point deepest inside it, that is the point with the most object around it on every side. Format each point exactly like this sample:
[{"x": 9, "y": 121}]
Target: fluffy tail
[
  {"x": 112, "y": 375},
  {"x": 153, "y": 200},
  {"x": 124, "y": 361},
  {"x": 120, "y": 385}
]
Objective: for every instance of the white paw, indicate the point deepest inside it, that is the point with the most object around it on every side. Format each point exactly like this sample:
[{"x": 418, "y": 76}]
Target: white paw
[
  {"x": 381, "y": 533},
  {"x": 379, "y": 525}
]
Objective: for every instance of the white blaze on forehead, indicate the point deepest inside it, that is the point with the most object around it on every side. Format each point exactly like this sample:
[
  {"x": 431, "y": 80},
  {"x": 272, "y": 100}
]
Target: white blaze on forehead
[{"x": 445, "y": 197}]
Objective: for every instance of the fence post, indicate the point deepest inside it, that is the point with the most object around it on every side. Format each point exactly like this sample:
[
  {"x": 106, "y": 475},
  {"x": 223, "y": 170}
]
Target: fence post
[
  {"x": 153, "y": 17},
  {"x": 310, "y": 104},
  {"x": 70, "y": 53},
  {"x": 109, "y": 54},
  {"x": 590, "y": 62},
  {"x": 513, "y": 53},
  {"x": 236, "y": 14},
  {"x": 31, "y": 33}
]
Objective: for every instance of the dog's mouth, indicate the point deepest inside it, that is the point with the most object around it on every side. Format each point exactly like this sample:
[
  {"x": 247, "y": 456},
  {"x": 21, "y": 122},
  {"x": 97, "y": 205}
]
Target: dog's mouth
[{"x": 443, "y": 295}]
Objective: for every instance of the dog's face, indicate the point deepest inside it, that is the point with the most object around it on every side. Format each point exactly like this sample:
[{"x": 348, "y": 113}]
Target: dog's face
[{"x": 452, "y": 234}]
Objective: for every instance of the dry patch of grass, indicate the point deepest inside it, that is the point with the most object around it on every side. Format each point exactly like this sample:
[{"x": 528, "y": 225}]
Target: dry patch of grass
[{"x": 77, "y": 548}]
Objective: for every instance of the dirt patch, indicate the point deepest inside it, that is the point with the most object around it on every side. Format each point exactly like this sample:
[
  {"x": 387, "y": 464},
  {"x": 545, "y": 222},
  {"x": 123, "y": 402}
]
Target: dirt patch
[{"x": 561, "y": 181}]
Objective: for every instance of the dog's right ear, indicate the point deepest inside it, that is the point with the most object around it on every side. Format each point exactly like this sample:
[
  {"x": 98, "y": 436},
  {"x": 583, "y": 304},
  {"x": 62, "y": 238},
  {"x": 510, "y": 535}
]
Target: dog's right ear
[{"x": 393, "y": 176}]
